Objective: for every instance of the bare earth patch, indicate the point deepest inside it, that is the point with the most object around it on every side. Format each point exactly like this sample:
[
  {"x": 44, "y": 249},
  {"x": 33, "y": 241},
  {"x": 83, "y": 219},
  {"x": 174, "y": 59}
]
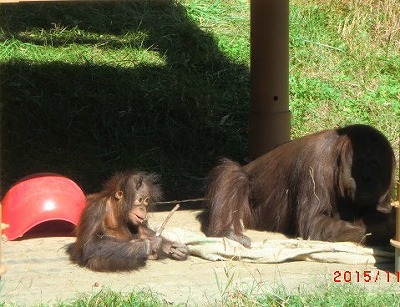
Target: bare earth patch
[{"x": 38, "y": 271}]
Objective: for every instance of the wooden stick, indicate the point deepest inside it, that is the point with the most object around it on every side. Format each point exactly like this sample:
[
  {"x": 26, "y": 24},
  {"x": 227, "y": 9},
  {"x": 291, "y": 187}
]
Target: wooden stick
[
  {"x": 159, "y": 231},
  {"x": 179, "y": 201}
]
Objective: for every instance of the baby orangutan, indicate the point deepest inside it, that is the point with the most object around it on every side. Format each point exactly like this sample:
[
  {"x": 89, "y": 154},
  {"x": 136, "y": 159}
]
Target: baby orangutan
[{"x": 113, "y": 234}]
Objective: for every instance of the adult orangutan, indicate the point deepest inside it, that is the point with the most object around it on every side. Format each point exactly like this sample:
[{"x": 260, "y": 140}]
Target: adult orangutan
[
  {"x": 113, "y": 235},
  {"x": 333, "y": 185}
]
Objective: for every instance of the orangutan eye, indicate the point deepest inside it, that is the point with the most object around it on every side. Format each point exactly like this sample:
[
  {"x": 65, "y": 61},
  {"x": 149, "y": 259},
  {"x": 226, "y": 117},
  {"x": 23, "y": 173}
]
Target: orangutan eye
[{"x": 140, "y": 199}]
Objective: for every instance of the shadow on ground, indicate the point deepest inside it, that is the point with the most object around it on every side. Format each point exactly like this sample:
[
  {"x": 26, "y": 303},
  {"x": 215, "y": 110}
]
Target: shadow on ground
[{"x": 87, "y": 121}]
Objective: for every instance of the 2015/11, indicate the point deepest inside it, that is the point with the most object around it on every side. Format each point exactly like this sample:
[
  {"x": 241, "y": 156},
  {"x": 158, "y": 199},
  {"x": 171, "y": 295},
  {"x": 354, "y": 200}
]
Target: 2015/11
[{"x": 365, "y": 276}]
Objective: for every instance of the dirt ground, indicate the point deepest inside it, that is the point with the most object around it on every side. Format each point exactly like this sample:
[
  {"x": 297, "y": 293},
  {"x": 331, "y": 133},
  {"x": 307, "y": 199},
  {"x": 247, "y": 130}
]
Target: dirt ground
[{"x": 38, "y": 271}]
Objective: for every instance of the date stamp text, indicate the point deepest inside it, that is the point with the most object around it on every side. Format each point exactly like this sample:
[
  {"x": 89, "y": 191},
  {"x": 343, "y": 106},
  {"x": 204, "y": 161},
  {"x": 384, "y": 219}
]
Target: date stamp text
[{"x": 365, "y": 276}]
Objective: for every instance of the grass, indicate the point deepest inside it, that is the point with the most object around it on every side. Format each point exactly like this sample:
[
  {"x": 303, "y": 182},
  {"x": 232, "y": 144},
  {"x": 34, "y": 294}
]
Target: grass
[
  {"x": 109, "y": 298},
  {"x": 345, "y": 66},
  {"x": 91, "y": 88},
  {"x": 324, "y": 295}
]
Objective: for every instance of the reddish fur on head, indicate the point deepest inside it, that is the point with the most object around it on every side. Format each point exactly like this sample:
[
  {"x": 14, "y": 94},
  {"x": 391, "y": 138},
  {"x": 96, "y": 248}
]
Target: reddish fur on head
[{"x": 113, "y": 235}]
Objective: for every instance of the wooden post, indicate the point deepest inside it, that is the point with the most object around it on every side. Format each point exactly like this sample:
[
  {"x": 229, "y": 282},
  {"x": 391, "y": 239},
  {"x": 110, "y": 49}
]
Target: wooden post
[
  {"x": 269, "y": 118},
  {"x": 397, "y": 245},
  {"x": 396, "y": 241}
]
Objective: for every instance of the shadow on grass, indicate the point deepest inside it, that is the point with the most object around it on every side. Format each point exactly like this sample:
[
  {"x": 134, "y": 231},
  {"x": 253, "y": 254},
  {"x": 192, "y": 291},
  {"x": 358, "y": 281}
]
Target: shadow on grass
[{"x": 87, "y": 121}]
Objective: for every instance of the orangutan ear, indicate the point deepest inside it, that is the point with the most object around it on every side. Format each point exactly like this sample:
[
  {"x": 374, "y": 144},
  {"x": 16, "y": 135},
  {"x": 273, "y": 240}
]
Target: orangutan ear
[{"x": 119, "y": 195}]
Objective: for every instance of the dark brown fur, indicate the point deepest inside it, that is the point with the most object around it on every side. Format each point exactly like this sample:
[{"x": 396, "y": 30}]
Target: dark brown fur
[
  {"x": 333, "y": 185},
  {"x": 113, "y": 235}
]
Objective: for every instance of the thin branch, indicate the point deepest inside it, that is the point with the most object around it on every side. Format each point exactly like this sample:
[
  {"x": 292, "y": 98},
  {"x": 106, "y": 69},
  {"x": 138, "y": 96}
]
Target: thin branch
[
  {"x": 179, "y": 201},
  {"x": 159, "y": 231}
]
